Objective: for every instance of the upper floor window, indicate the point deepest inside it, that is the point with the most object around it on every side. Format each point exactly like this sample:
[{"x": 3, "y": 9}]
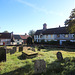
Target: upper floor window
[
  {"x": 40, "y": 36},
  {"x": 51, "y": 35},
  {"x": 66, "y": 35},
  {"x": 58, "y": 35},
  {"x": 46, "y": 36},
  {"x": 35, "y": 36}
]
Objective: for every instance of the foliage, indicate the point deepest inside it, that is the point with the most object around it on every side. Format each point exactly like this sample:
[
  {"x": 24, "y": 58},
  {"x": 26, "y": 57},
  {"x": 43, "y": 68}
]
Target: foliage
[
  {"x": 29, "y": 41},
  {"x": 6, "y": 31},
  {"x": 71, "y": 22},
  {"x": 68, "y": 43},
  {"x": 31, "y": 33},
  {"x": 16, "y": 66}
]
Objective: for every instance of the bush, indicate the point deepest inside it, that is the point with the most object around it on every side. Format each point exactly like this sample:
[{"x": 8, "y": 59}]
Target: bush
[{"x": 67, "y": 43}]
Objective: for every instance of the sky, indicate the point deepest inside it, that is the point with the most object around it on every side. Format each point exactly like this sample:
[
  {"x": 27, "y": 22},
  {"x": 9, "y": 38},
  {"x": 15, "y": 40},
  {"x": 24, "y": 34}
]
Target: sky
[{"x": 21, "y": 16}]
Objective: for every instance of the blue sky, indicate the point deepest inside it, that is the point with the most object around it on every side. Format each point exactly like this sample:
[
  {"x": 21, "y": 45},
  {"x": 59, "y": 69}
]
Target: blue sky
[{"x": 21, "y": 16}]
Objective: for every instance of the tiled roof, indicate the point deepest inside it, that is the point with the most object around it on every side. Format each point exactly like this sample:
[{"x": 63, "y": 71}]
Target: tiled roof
[
  {"x": 17, "y": 37},
  {"x": 5, "y": 35},
  {"x": 59, "y": 30},
  {"x": 24, "y": 36}
]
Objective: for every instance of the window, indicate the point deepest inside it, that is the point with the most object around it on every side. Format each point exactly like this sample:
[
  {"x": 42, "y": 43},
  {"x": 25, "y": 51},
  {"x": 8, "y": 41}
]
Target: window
[
  {"x": 35, "y": 36},
  {"x": 58, "y": 35},
  {"x": 40, "y": 36},
  {"x": 46, "y": 36},
  {"x": 66, "y": 35},
  {"x": 51, "y": 36}
]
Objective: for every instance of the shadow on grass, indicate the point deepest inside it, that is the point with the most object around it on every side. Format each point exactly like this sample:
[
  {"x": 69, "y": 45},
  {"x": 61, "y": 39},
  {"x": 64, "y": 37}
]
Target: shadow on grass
[
  {"x": 64, "y": 67},
  {"x": 25, "y": 70},
  {"x": 23, "y": 57}
]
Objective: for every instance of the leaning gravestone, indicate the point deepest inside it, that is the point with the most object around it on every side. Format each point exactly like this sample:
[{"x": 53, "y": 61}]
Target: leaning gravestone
[
  {"x": 39, "y": 66},
  {"x": 20, "y": 49},
  {"x": 2, "y": 54},
  {"x": 12, "y": 51},
  {"x": 59, "y": 56},
  {"x": 33, "y": 49}
]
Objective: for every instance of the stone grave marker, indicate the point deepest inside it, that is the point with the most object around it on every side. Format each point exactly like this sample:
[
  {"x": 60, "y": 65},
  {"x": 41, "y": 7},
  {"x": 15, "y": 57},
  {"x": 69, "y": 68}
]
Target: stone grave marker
[
  {"x": 2, "y": 54},
  {"x": 39, "y": 66},
  {"x": 59, "y": 56},
  {"x": 14, "y": 48},
  {"x": 33, "y": 49},
  {"x": 20, "y": 49},
  {"x": 12, "y": 51}
]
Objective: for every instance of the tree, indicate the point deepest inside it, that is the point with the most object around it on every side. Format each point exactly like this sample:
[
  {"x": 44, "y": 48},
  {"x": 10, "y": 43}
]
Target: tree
[
  {"x": 6, "y": 31},
  {"x": 29, "y": 41},
  {"x": 70, "y": 23},
  {"x": 31, "y": 33}
]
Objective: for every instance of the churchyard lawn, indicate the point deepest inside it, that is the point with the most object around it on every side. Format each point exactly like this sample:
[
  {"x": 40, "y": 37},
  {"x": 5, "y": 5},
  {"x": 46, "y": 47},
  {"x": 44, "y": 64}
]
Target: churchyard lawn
[{"x": 15, "y": 65}]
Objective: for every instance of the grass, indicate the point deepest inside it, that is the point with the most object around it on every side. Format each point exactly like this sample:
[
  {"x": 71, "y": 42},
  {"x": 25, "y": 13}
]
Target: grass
[{"x": 16, "y": 66}]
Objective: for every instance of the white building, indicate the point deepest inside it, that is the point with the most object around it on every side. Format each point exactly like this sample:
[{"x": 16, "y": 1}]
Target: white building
[
  {"x": 6, "y": 38},
  {"x": 55, "y": 34}
]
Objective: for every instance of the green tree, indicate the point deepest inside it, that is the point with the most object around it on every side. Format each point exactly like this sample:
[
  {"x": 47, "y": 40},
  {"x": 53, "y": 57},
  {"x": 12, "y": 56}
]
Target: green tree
[
  {"x": 6, "y": 31},
  {"x": 70, "y": 23},
  {"x": 31, "y": 33}
]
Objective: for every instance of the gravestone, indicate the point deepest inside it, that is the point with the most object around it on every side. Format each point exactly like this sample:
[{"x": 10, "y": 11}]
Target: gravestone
[
  {"x": 20, "y": 49},
  {"x": 14, "y": 48},
  {"x": 39, "y": 66},
  {"x": 33, "y": 49},
  {"x": 59, "y": 56},
  {"x": 38, "y": 49},
  {"x": 12, "y": 51},
  {"x": 2, "y": 54}
]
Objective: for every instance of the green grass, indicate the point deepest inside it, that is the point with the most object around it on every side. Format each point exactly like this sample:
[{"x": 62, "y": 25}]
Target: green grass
[{"x": 16, "y": 66}]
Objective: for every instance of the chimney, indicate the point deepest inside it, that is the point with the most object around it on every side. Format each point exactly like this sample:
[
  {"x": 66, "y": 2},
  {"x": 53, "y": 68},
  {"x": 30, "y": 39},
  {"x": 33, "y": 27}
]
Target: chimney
[
  {"x": 59, "y": 26},
  {"x": 44, "y": 26},
  {"x": 25, "y": 33}
]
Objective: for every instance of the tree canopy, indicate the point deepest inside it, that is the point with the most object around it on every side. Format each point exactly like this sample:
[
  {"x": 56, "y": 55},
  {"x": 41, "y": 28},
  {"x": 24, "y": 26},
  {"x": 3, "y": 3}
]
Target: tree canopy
[
  {"x": 70, "y": 23},
  {"x": 31, "y": 33},
  {"x": 6, "y": 31}
]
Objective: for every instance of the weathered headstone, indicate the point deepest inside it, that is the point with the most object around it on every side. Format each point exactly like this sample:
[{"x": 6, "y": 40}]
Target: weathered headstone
[
  {"x": 14, "y": 48},
  {"x": 38, "y": 49},
  {"x": 12, "y": 51},
  {"x": 39, "y": 66},
  {"x": 33, "y": 49},
  {"x": 20, "y": 49},
  {"x": 2, "y": 54},
  {"x": 59, "y": 56}
]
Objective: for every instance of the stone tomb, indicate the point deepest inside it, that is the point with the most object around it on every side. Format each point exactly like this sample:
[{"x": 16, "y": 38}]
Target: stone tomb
[
  {"x": 2, "y": 54},
  {"x": 59, "y": 56},
  {"x": 39, "y": 66},
  {"x": 29, "y": 54}
]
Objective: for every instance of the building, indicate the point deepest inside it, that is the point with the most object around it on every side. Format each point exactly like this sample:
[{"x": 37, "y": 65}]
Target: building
[
  {"x": 55, "y": 34},
  {"x": 6, "y": 38},
  {"x": 17, "y": 40},
  {"x": 24, "y": 38}
]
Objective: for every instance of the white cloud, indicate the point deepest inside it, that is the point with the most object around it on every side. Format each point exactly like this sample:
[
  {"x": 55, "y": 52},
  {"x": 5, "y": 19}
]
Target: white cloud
[{"x": 41, "y": 9}]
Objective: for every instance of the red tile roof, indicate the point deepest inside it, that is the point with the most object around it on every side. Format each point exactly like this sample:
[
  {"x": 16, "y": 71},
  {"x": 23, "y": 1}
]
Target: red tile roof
[{"x": 24, "y": 36}]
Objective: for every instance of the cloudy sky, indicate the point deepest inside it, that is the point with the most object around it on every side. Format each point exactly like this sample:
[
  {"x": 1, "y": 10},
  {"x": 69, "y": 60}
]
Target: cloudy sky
[{"x": 21, "y": 16}]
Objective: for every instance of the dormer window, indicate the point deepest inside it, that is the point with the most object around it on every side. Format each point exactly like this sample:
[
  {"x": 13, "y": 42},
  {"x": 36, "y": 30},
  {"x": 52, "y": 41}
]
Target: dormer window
[
  {"x": 46, "y": 36},
  {"x": 66, "y": 35}
]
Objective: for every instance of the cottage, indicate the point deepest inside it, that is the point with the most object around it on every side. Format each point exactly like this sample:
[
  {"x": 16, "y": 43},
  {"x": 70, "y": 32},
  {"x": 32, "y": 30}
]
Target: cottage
[
  {"x": 24, "y": 38},
  {"x": 55, "y": 34},
  {"x": 6, "y": 38},
  {"x": 17, "y": 40}
]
